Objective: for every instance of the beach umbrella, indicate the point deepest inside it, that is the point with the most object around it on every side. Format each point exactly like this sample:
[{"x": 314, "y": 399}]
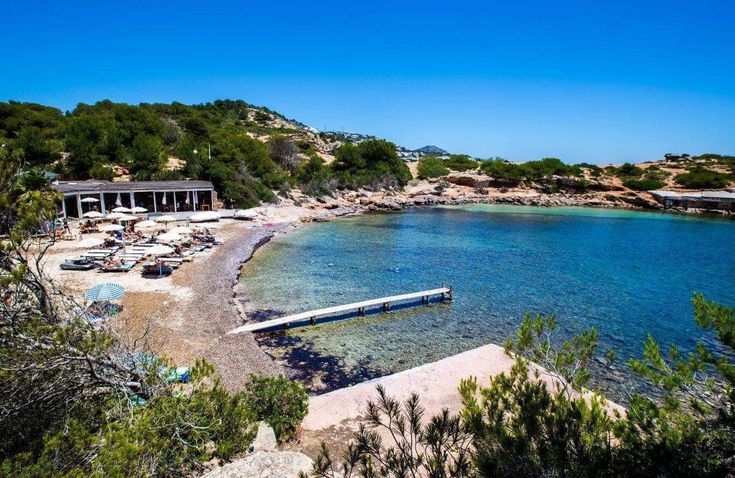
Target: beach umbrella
[
  {"x": 106, "y": 291},
  {"x": 118, "y": 201},
  {"x": 163, "y": 201},
  {"x": 89, "y": 242},
  {"x": 111, "y": 228},
  {"x": 147, "y": 223},
  {"x": 115, "y": 215},
  {"x": 165, "y": 218},
  {"x": 168, "y": 237},
  {"x": 127, "y": 217},
  {"x": 93, "y": 215},
  {"x": 121, "y": 209},
  {"x": 89, "y": 200},
  {"x": 138, "y": 210},
  {"x": 181, "y": 230},
  {"x": 205, "y": 216},
  {"x": 187, "y": 198},
  {"x": 159, "y": 250}
]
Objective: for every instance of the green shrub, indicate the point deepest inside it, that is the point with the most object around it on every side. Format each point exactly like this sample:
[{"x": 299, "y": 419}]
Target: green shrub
[
  {"x": 700, "y": 178},
  {"x": 627, "y": 170},
  {"x": 504, "y": 171},
  {"x": 432, "y": 167},
  {"x": 279, "y": 402},
  {"x": 373, "y": 163},
  {"x": 168, "y": 436},
  {"x": 100, "y": 171},
  {"x": 645, "y": 184},
  {"x": 461, "y": 162}
]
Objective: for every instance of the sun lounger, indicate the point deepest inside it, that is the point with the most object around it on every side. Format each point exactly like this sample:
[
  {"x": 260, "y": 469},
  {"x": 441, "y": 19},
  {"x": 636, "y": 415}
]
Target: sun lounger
[
  {"x": 130, "y": 257},
  {"x": 96, "y": 255},
  {"x": 177, "y": 260},
  {"x": 123, "y": 268}
]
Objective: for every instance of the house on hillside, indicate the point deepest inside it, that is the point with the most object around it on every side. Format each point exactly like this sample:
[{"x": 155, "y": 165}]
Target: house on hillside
[{"x": 80, "y": 197}]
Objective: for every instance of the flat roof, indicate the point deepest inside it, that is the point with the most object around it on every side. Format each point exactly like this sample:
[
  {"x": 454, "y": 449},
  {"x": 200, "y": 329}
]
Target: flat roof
[
  {"x": 98, "y": 186},
  {"x": 695, "y": 195}
]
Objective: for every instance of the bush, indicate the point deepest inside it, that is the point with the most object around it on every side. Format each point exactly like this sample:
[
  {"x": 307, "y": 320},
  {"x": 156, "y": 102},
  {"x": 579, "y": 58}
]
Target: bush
[
  {"x": 700, "y": 178},
  {"x": 432, "y": 167},
  {"x": 279, "y": 402},
  {"x": 373, "y": 163},
  {"x": 644, "y": 184},
  {"x": 168, "y": 436},
  {"x": 627, "y": 170},
  {"x": 461, "y": 162},
  {"x": 503, "y": 171},
  {"x": 100, "y": 171}
]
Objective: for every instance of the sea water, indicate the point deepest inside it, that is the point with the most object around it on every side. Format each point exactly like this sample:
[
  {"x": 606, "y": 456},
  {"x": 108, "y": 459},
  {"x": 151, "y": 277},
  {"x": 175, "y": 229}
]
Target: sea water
[{"x": 626, "y": 273}]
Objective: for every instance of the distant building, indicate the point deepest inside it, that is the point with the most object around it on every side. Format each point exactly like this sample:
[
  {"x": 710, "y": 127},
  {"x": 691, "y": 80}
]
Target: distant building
[
  {"x": 708, "y": 200},
  {"x": 156, "y": 196}
]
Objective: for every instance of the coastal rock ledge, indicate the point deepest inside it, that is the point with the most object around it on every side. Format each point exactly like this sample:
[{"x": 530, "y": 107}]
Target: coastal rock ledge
[{"x": 265, "y": 461}]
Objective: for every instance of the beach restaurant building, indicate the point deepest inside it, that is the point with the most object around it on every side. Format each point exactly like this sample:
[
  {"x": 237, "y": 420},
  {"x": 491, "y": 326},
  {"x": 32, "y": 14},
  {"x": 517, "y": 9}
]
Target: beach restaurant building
[
  {"x": 708, "y": 200},
  {"x": 156, "y": 196}
]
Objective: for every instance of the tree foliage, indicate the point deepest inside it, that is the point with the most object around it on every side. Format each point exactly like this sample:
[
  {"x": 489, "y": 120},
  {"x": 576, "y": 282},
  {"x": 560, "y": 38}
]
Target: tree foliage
[
  {"x": 701, "y": 178},
  {"x": 538, "y": 419},
  {"x": 432, "y": 167},
  {"x": 372, "y": 163},
  {"x": 78, "y": 400}
]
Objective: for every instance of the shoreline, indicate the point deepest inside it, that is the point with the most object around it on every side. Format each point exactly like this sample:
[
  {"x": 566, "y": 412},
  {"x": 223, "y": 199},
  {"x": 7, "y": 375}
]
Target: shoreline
[{"x": 190, "y": 312}]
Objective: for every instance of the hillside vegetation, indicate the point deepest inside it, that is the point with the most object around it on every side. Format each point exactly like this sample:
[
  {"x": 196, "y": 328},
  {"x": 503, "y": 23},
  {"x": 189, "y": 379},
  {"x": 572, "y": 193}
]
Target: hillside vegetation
[{"x": 252, "y": 154}]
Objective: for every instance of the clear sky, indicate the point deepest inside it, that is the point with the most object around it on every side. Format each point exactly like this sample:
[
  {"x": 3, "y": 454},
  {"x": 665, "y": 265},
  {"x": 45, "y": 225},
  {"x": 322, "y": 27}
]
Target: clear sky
[{"x": 580, "y": 80}]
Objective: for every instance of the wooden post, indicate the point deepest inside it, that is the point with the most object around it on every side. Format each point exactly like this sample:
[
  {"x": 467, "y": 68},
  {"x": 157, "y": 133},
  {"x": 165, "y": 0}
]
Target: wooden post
[
  {"x": 451, "y": 293},
  {"x": 312, "y": 320}
]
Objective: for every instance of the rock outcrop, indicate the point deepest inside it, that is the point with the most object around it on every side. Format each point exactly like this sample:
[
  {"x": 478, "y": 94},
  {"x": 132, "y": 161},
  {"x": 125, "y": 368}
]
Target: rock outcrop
[{"x": 264, "y": 460}]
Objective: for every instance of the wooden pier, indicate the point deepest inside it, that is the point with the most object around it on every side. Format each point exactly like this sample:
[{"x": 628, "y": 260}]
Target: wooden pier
[{"x": 444, "y": 293}]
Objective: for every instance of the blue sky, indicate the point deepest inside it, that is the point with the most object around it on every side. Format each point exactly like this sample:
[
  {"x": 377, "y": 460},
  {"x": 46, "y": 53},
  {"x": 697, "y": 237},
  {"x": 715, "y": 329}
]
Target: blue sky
[{"x": 583, "y": 81}]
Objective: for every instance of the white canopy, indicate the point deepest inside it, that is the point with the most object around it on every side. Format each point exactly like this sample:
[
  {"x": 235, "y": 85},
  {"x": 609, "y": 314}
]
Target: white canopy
[
  {"x": 121, "y": 209},
  {"x": 93, "y": 215},
  {"x": 147, "y": 223},
  {"x": 168, "y": 237},
  {"x": 89, "y": 242},
  {"x": 138, "y": 210},
  {"x": 165, "y": 218},
  {"x": 115, "y": 215},
  {"x": 111, "y": 228},
  {"x": 90, "y": 200},
  {"x": 158, "y": 250},
  {"x": 181, "y": 230},
  {"x": 205, "y": 216},
  {"x": 127, "y": 217}
]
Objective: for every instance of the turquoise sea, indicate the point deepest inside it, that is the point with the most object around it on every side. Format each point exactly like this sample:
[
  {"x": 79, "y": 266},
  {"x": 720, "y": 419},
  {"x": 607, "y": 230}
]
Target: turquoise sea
[{"x": 626, "y": 273}]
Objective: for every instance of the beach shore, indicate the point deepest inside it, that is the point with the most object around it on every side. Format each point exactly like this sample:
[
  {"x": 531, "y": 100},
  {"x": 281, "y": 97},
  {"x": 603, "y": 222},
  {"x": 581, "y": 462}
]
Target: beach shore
[{"x": 186, "y": 315}]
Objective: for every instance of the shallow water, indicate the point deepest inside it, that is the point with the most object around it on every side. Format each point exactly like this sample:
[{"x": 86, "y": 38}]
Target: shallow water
[{"x": 625, "y": 272}]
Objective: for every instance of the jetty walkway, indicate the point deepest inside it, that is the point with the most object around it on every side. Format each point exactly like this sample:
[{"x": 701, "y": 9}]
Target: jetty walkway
[{"x": 444, "y": 293}]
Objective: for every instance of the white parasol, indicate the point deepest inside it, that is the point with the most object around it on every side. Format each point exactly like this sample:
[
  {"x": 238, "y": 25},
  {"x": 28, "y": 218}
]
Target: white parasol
[
  {"x": 138, "y": 210},
  {"x": 121, "y": 209},
  {"x": 111, "y": 228},
  {"x": 180, "y": 230},
  {"x": 205, "y": 216},
  {"x": 147, "y": 223},
  {"x": 165, "y": 218},
  {"x": 90, "y": 200},
  {"x": 93, "y": 215},
  {"x": 168, "y": 237}
]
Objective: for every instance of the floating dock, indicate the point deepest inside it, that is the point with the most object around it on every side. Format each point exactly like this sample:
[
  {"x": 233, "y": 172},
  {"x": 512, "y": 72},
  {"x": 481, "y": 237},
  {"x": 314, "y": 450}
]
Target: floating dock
[{"x": 444, "y": 293}]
